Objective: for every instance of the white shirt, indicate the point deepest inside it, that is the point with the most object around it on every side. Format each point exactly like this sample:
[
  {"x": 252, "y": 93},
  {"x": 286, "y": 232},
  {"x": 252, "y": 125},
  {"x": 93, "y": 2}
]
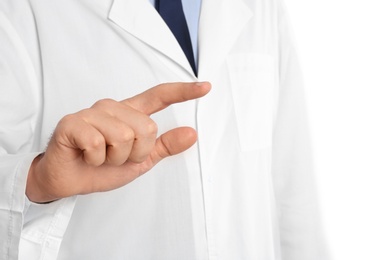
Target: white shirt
[{"x": 244, "y": 191}]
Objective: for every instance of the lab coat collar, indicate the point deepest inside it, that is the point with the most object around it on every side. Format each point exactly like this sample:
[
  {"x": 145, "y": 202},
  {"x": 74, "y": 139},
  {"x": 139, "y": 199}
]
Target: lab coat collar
[
  {"x": 140, "y": 18},
  {"x": 221, "y": 21}
]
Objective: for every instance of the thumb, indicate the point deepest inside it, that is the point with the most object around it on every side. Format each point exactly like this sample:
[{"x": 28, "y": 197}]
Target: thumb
[{"x": 173, "y": 142}]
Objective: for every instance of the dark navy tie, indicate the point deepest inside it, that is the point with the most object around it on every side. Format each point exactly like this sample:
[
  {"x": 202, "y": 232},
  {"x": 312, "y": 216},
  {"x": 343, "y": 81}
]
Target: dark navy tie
[{"x": 172, "y": 13}]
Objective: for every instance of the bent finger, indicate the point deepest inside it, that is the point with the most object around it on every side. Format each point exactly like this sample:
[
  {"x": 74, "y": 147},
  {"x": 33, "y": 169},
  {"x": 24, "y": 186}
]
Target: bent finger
[
  {"x": 173, "y": 142},
  {"x": 74, "y": 133}
]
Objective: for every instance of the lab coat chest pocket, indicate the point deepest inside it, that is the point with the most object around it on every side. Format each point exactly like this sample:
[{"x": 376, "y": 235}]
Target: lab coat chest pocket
[{"x": 252, "y": 80}]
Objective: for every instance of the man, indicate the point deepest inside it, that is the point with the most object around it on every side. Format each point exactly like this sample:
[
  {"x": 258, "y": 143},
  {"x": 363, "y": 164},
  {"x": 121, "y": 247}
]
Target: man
[{"x": 79, "y": 73}]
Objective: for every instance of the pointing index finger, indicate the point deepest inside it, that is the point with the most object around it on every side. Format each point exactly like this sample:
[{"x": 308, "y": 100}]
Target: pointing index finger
[{"x": 163, "y": 95}]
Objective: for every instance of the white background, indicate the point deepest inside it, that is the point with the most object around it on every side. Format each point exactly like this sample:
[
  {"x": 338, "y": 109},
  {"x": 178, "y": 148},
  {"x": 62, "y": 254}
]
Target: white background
[{"x": 344, "y": 49}]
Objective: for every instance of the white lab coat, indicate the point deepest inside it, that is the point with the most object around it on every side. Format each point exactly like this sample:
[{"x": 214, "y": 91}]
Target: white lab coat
[{"x": 244, "y": 191}]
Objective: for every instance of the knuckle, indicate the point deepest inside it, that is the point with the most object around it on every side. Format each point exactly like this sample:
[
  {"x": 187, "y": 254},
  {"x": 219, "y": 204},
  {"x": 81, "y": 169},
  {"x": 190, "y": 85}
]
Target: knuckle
[
  {"x": 68, "y": 119},
  {"x": 151, "y": 128},
  {"x": 125, "y": 134},
  {"x": 95, "y": 142},
  {"x": 75, "y": 118},
  {"x": 66, "y": 124},
  {"x": 104, "y": 103}
]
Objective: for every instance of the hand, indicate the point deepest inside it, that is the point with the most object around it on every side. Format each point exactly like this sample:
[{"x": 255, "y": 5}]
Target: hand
[{"x": 110, "y": 144}]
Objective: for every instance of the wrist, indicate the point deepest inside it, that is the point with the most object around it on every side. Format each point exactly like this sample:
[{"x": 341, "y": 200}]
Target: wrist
[{"x": 35, "y": 191}]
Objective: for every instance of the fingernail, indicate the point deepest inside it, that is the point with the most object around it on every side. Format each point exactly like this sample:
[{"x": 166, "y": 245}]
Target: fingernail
[{"x": 199, "y": 84}]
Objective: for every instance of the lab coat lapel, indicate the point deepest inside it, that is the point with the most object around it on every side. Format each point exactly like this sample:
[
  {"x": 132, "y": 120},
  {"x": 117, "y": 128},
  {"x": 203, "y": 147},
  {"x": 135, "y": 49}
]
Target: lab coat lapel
[
  {"x": 139, "y": 18},
  {"x": 221, "y": 22}
]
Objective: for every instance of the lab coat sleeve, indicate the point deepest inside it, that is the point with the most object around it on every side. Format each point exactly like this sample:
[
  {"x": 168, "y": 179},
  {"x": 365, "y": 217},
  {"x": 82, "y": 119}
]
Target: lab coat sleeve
[
  {"x": 34, "y": 230},
  {"x": 300, "y": 229}
]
